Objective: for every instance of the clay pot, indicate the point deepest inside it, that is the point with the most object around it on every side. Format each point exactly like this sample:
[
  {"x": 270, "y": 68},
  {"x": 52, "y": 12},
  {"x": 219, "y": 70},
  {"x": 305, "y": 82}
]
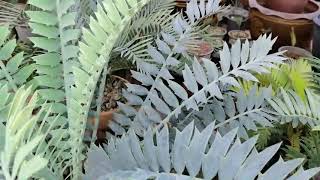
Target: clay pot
[
  {"x": 216, "y": 31},
  {"x": 238, "y": 34},
  {"x": 316, "y": 37},
  {"x": 281, "y": 28},
  {"x": 245, "y": 3},
  {"x": 204, "y": 50},
  {"x": 294, "y": 52},
  {"x": 289, "y": 6}
]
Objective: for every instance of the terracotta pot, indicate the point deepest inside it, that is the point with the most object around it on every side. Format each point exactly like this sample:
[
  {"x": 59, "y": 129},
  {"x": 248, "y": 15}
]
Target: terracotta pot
[
  {"x": 281, "y": 28},
  {"x": 204, "y": 50},
  {"x": 216, "y": 31},
  {"x": 289, "y": 6},
  {"x": 316, "y": 37},
  {"x": 245, "y": 3},
  {"x": 294, "y": 52},
  {"x": 311, "y": 10}
]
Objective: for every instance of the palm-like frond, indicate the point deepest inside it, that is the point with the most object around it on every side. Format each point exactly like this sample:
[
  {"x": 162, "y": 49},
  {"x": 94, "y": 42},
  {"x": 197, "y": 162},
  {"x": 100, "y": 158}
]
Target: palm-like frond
[
  {"x": 292, "y": 109},
  {"x": 191, "y": 156},
  {"x": 54, "y": 24},
  {"x": 30, "y": 139},
  {"x": 245, "y": 112},
  {"x": 14, "y": 69},
  {"x": 111, "y": 19},
  {"x": 153, "y": 18},
  {"x": 162, "y": 102}
]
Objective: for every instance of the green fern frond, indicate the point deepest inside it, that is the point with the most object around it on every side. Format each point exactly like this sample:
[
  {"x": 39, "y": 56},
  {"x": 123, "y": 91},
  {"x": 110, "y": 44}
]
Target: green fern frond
[
  {"x": 193, "y": 155},
  {"x": 310, "y": 149},
  {"x": 295, "y": 75}
]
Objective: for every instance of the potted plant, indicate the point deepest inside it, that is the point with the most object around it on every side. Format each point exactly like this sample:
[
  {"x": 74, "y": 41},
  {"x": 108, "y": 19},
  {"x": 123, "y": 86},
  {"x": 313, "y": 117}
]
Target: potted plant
[{"x": 203, "y": 49}]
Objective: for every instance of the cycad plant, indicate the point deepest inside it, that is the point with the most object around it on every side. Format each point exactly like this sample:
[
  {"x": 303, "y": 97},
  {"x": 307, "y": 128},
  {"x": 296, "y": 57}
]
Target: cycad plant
[{"x": 70, "y": 74}]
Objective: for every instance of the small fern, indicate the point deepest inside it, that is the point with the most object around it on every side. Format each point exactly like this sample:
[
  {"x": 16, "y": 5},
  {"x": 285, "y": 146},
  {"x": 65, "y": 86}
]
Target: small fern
[{"x": 295, "y": 75}]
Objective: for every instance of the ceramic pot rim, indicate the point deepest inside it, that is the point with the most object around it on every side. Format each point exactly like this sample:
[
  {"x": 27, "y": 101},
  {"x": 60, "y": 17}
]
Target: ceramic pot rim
[{"x": 289, "y": 16}]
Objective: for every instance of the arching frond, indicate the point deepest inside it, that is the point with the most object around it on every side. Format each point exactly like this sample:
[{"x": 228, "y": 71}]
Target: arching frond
[
  {"x": 166, "y": 98},
  {"x": 153, "y": 18},
  {"x": 30, "y": 139},
  {"x": 112, "y": 17},
  {"x": 245, "y": 112},
  {"x": 191, "y": 156},
  {"x": 292, "y": 109},
  {"x": 53, "y": 24}
]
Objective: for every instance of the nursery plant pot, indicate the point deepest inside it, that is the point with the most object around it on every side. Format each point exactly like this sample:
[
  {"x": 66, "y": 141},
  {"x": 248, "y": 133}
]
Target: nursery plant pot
[
  {"x": 289, "y": 6},
  {"x": 216, "y": 31},
  {"x": 234, "y": 35},
  {"x": 236, "y": 16},
  {"x": 265, "y": 20},
  {"x": 294, "y": 52},
  {"x": 316, "y": 37},
  {"x": 204, "y": 51}
]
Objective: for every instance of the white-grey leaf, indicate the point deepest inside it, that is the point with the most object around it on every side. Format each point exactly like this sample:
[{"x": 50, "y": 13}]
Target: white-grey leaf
[
  {"x": 199, "y": 73},
  {"x": 167, "y": 95},
  {"x": 137, "y": 89},
  {"x": 189, "y": 79},
  {"x": 156, "y": 55},
  {"x": 212, "y": 70},
  {"x": 159, "y": 104},
  {"x": 143, "y": 78},
  {"x": 235, "y": 54},
  {"x": 163, "y": 47},
  {"x": 168, "y": 38},
  {"x": 230, "y": 80},
  {"x": 225, "y": 58},
  {"x": 178, "y": 90}
]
